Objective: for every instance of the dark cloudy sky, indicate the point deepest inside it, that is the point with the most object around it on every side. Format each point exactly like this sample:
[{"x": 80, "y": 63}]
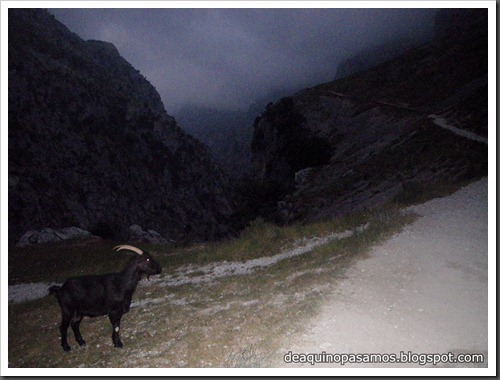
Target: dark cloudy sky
[{"x": 226, "y": 58}]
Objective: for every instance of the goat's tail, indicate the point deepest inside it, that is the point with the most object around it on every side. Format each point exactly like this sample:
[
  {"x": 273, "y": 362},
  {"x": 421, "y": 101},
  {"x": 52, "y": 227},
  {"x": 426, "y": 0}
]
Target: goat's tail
[{"x": 54, "y": 289}]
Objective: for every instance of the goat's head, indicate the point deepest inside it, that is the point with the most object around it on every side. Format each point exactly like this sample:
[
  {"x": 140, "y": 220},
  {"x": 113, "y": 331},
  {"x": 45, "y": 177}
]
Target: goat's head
[{"x": 144, "y": 261}]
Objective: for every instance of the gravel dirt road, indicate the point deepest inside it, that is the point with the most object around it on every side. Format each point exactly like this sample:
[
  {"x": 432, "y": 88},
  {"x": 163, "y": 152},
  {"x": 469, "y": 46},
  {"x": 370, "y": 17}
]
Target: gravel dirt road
[{"x": 425, "y": 290}]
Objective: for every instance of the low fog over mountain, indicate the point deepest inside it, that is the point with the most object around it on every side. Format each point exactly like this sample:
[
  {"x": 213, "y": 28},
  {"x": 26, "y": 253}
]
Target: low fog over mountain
[{"x": 229, "y": 58}]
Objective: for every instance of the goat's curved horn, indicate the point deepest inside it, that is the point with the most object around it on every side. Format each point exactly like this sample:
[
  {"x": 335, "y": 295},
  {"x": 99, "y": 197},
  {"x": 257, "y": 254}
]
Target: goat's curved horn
[{"x": 130, "y": 248}]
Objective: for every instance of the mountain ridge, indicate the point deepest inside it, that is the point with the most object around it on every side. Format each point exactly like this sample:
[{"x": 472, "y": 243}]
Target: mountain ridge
[{"x": 91, "y": 145}]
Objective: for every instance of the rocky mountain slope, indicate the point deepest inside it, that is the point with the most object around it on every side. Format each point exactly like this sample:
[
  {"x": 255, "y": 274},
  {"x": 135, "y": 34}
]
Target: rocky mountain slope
[
  {"x": 91, "y": 145},
  {"x": 370, "y": 137}
]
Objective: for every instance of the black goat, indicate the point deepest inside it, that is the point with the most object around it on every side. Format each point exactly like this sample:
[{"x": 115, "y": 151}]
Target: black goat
[{"x": 92, "y": 296}]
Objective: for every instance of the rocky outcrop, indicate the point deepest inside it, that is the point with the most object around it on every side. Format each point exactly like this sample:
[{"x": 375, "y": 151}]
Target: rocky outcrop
[
  {"x": 362, "y": 140},
  {"x": 91, "y": 145},
  {"x": 150, "y": 236},
  {"x": 49, "y": 235}
]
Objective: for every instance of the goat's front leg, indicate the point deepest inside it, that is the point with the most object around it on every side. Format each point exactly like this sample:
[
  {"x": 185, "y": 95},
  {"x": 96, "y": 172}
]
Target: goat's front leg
[
  {"x": 75, "y": 326},
  {"x": 115, "y": 322}
]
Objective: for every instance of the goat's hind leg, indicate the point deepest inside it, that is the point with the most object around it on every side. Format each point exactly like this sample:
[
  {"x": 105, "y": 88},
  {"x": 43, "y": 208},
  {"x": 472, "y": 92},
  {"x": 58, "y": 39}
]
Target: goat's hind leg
[{"x": 75, "y": 326}]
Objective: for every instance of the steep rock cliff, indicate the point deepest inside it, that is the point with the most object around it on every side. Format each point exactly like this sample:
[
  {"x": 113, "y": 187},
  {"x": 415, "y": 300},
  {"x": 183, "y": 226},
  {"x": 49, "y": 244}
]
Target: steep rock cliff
[
  {"x": 91, "y": 145},
  {"x": 365, "y": 139}
]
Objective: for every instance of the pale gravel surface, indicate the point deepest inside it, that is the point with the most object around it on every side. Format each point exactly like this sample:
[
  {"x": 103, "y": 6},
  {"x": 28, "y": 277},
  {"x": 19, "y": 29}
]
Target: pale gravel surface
[{"x": 424, "y": 290}]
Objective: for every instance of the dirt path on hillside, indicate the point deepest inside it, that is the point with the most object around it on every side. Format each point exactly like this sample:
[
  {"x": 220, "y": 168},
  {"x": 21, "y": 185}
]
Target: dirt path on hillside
[
  {"x": 424, "y": 290},
  {"x": 443, "y": 123}
]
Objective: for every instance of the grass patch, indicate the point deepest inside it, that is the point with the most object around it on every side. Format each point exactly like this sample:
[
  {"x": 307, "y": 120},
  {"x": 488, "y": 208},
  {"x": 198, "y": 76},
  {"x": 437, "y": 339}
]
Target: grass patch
[
  {"x": 55, "y": 262},
  {"x": 249, "y": 357},
  {"x": 261, "y": 239}
]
